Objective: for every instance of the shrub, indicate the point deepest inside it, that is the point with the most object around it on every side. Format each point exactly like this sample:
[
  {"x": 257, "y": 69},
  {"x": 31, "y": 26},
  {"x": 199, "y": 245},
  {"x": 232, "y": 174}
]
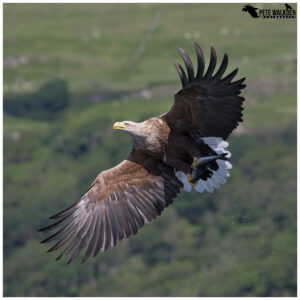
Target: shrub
[{"x": 46, "y": 103}]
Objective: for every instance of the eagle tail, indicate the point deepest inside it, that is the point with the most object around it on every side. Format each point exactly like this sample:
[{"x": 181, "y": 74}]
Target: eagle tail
[{"x": 218, "y": 176}]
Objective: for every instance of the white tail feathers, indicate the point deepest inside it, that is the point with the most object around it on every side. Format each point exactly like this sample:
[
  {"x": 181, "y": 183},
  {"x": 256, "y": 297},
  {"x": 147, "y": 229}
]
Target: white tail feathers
[{"x": 219, "y": 176}]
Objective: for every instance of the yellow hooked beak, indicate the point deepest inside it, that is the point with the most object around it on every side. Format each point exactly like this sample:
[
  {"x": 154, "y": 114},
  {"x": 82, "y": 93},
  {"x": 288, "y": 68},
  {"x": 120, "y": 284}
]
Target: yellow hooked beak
[{"x": 119, "y": 125}]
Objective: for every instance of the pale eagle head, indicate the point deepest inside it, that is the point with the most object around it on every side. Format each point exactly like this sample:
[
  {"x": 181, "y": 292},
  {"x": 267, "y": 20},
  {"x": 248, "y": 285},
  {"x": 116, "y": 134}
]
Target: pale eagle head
[{"x": 132, "y": 128}]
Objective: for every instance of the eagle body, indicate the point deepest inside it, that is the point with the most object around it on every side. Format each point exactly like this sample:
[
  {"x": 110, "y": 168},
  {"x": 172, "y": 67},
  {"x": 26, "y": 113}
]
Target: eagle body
[{"x": 183, "y": 148}]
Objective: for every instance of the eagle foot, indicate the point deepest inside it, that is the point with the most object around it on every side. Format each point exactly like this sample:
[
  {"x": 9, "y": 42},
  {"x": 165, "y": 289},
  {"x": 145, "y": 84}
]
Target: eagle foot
[
  {"x": 189, "y": 179},
  {"x": 189, "y": 176}
]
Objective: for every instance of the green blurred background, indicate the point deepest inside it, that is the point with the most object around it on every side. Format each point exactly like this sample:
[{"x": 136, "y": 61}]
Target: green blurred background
[{"x": 70, "y": 71}]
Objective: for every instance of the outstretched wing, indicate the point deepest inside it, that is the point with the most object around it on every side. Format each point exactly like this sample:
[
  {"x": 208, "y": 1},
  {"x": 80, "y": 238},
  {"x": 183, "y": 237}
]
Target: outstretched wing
[
  {"x": 117, "y": 204},
  {"x": 207, "y": 104}
]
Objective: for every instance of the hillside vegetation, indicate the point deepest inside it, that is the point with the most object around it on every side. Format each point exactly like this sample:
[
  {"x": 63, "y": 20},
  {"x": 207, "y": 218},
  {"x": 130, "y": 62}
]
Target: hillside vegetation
[{"x": 70, "y": 72}]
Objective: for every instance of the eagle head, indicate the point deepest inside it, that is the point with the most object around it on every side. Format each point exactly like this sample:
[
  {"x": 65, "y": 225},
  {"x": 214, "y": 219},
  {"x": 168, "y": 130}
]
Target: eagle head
[
  {"x": 145, "y": 134},
  {"x": 132, "y": 128}
]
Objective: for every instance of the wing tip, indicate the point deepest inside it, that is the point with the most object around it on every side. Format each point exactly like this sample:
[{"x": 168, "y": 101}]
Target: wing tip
[
  {"x": 180, "y": 50},
  {"x": 213, "y": 51},
  {"x": 181, "y": 73},
  {"x": 196, "y": 45},
  {"x": 44, "y": 241},
  {"x": 188, "y": 63},
  {"x": 59, "y": 257},
  {"x": 84, "y": 260},
  {"x": 47, "y": 228}
]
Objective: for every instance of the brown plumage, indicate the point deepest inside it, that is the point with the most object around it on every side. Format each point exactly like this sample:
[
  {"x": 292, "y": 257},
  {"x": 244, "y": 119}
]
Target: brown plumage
[{"x": 122, "y": 199}]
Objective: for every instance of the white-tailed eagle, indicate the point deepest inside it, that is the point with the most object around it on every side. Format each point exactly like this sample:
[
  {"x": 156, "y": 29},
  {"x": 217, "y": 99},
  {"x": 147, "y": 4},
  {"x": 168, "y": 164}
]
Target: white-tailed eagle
[{"x": 183, "y": 148}]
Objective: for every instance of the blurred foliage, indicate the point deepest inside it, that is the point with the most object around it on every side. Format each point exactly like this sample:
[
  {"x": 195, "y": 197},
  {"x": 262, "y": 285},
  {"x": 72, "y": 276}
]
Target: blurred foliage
[
  {"x": 46, "y": 103},
  {"x": 117, "y": 62}
]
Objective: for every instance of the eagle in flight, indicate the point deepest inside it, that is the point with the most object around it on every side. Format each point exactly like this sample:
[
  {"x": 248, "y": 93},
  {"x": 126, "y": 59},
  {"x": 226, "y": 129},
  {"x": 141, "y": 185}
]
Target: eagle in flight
[{"x": 183, "y": 148}]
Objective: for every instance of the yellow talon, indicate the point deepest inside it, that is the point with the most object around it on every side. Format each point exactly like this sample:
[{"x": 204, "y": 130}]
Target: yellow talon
[
  {"x": 194, "y": 163},
  {"x": 189, "y": 178}
]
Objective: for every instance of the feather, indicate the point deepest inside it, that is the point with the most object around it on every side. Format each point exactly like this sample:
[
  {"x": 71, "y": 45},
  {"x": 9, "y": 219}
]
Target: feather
[
  {"x": 199, "y": 187},
  {"x": 122, "y": 220},
  {"x": 188, "y": 63},
  {"x": 113, "y": 214},
  {"x": 107, "y": 232},
  {"x": 135, "y": 215},
  {"x": 222, "y": 69},
  {"x": 59, "y": 233},
  {"x": 93, "y": 243},
  {"x": 62, "y": 242},
  {"x": 181, "y": 73},
  {"x": 78, "y": 238},
  {"x": 59, "y": 223},
  {"x": 201, "y": 62},
  {"x": 238, "y": 83},
  {"x": 230, "y": 76},
  {"x": 74, "y": 242},
  {"x": 68, "y": 210},
  {"x": 85, "y": 240},
  {"x": 100, "y": 235},
  {"x": 212, "y": 63},
  {"x": 147, "y": 217},
  {"x": 113, "y": 225}
]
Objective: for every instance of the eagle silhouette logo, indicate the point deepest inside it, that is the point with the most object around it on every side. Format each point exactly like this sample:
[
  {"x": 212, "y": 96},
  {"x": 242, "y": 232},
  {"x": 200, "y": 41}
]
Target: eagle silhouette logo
[
  {"x": 251, "y": 10},
  {"x": 288, "y": 6}
]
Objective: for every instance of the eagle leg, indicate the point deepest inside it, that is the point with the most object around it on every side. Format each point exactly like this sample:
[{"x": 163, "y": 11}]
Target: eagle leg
[
  {"x": 189, "y": 176},
  {"x": 194, "y": 163}
]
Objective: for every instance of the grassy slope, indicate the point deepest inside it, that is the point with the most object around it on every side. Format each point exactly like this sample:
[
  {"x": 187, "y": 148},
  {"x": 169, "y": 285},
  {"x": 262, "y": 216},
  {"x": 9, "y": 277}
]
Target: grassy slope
[{"x": 239, "y": 241}]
